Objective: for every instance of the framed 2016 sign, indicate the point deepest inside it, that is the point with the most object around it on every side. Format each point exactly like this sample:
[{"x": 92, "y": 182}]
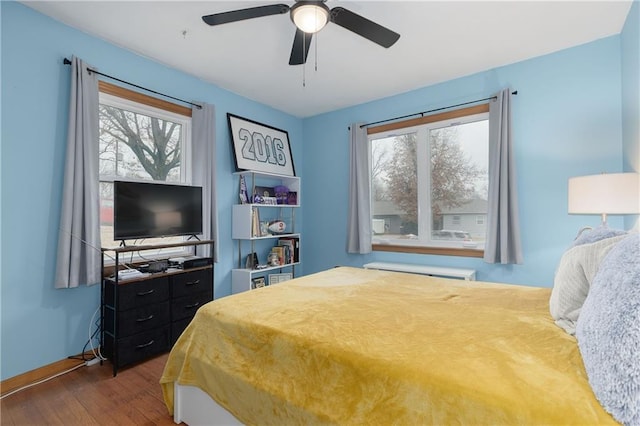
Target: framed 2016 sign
[{"x": 259, "y": 147}]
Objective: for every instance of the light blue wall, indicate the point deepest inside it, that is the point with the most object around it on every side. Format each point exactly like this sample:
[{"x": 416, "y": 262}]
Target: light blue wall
[
  {"x": 630, "y": 46},
  {"x": 566, "y": 122},
  {"x": 41, "y": 325}
]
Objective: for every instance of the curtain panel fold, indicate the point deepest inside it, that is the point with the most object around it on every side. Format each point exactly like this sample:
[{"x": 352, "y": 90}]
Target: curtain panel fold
[
  {"x": 359, "y": 219},
  {"x": 78, "y": 258},
  {"x": 203, "y": 160},
  {"x": 503, "y": 224}
]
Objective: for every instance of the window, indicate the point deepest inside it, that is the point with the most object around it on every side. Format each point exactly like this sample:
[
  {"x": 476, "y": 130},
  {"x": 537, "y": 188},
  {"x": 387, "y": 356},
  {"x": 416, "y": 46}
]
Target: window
[
  {"x": 429, "y": 182},
  {"x": 141, "y": 139}
]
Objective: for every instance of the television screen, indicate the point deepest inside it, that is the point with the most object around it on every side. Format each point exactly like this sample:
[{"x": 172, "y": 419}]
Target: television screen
[{"x": 145, "y": 210}]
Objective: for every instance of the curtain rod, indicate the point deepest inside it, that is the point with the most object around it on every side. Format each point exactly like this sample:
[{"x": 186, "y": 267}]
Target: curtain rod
[
  {"x": 68, "y": 62},
  {"x": 432, "y": 110}
]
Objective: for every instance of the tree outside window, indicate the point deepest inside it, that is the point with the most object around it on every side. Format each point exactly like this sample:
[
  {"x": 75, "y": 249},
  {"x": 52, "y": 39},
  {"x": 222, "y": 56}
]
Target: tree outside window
[{"x": 139, "y": 143}]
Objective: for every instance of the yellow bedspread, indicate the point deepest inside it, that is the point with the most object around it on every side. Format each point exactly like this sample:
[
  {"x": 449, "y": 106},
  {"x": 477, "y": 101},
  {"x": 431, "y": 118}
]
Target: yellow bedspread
[{"x": 355, "y": 346}]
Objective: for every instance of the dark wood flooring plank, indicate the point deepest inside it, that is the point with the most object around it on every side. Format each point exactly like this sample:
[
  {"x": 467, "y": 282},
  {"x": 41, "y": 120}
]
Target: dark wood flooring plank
[{"x": 92, "y": 396}]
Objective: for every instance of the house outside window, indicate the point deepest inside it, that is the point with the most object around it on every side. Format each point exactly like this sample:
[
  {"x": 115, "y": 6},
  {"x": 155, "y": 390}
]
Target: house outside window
[
  {"x": 429, "y": 182},
  {"x": 142, "y": 139}
]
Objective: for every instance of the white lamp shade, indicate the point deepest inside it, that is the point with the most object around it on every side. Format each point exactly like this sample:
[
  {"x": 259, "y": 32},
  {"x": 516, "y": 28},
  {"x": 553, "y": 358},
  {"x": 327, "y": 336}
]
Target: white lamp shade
[
  {"x": 614, "y": 193},
  {"x": 310, "y": 18}
]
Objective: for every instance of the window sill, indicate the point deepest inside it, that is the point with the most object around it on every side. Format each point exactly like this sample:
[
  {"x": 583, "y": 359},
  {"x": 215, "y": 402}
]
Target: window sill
[{"x": 439, "y": 251}]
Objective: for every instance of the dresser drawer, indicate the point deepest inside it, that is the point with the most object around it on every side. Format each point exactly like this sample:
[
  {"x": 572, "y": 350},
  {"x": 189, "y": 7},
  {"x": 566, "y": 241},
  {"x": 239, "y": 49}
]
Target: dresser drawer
[
  {"x": 142, "y": 345},
  {"x": 139, "y": 319},
  {"x": 186, "y": 306},
  {"x": 191, "y": 282},
  {"x": 177, "y": 328},
  {"x": 135, "y": 294}
]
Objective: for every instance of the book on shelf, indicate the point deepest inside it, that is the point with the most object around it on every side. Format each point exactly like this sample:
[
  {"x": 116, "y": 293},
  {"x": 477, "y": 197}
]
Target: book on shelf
[
  {"x": 255, "y": 223},
  {"x": 287, "y": 245},
  {"x": 280, "y": 252},
  {"x": 293, "y": 247}
]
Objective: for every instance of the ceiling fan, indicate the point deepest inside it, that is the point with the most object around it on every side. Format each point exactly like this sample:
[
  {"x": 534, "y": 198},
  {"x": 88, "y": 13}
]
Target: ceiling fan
[{"x": 310, "y": 17}]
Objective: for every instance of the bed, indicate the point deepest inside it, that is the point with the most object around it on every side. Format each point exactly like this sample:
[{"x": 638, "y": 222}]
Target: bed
[{"x": 357, "y": 346}]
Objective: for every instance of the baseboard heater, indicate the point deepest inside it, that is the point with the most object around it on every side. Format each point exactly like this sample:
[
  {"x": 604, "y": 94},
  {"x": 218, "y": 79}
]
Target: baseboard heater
[{"x": 466, "y": 274}]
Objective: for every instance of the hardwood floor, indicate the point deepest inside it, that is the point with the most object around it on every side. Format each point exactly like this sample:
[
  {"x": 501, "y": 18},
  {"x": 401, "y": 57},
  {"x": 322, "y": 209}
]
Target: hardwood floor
[{"x": 92, "y": 396}]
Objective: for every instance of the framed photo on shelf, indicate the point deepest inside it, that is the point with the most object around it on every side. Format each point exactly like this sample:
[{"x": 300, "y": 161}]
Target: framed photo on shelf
[
  {"x": 258, "y": 282},
  {"x": 278, "y": 278},
  {"x": 259, "y": 147},
  {"x": 252, "y": 261}
]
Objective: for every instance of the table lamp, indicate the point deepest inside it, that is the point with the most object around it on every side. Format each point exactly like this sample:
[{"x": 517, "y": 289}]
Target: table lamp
[{"x": 605, "y": 194}]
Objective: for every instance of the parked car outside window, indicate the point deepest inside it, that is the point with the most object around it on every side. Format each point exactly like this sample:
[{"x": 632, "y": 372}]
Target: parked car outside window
[{"x": 446, "y": 234}]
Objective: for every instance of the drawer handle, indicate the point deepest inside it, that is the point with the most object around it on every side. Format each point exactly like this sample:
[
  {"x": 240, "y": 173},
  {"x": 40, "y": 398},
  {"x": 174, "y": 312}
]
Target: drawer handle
[
  {"x": 192, "y": 306},
  {"x": 193, "y": 282},
  {"x": 144, "y": 293},
  {"x": 145, "y": 345},
  {"x": 144, "y": 319}
]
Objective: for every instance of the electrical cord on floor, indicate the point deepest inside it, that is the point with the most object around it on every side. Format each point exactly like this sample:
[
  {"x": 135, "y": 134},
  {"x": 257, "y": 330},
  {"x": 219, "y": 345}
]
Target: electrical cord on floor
[
  {"x": 81, "y": 357},
  {"x": 43, "y": 380}
]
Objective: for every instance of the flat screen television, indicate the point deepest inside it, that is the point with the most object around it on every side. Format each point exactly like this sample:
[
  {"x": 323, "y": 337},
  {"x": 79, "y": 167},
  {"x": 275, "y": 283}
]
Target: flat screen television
[{"x": 146, "y": 210}]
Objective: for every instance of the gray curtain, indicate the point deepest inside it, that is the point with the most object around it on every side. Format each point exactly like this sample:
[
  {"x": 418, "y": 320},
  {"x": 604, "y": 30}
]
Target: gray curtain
[
  {"x": 503, "y": 225},
  {"x": 203, "y": 125},
  {"x": 78, "y": 257},
  {"x": 359, "y": 220}
]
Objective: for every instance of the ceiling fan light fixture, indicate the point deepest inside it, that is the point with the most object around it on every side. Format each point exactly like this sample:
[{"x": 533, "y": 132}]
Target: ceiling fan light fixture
[{"x": 310, "y": 16}]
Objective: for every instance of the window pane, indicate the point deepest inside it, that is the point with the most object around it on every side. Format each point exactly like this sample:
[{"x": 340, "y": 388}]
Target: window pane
[
  {"x": 138, "y": 146},
  {"x": 394, "y": 186},
  {"x": 430, "y": 181},
  {"x": 106, "y": 214},
  {"x": 459, "y": 181},
  {"x": 137, "y": 143}
]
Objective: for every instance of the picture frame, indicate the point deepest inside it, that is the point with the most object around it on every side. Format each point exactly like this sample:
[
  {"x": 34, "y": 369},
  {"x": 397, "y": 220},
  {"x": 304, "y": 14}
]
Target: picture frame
[
  {"x": 278, "y": 278},
  {"x": 260, "y": 147},
  {"x": 258, "y": 282},
  {"x": 251, "y": 261}
]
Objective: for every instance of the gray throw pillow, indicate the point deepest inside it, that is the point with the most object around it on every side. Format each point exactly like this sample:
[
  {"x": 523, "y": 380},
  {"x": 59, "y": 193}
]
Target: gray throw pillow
[
  {"x": 573, "y": 278},
  {"x": 608, "y": 332}
]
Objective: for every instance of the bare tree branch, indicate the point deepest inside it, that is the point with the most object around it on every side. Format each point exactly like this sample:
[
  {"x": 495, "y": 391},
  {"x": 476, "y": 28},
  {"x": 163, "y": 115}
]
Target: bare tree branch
[{"x": 154, "y": 142}]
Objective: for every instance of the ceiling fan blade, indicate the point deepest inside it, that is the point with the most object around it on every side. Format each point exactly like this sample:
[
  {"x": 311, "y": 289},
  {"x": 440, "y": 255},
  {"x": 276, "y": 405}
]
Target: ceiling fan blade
[
  {"x": 300, "y": 49},
  {"x": 242, "y": 14},
  {"x": 363, "y": 27}
]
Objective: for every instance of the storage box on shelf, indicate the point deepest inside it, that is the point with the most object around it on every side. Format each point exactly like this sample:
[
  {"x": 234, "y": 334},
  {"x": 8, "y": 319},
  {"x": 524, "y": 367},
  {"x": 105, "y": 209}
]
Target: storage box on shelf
[
  {"x": 265, "y": 224},
  {"x": 144, "y": 315}
]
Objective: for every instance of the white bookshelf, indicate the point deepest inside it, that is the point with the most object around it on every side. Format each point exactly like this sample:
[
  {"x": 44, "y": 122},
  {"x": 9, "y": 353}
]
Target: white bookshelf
[{"x": 251, "y": 237}]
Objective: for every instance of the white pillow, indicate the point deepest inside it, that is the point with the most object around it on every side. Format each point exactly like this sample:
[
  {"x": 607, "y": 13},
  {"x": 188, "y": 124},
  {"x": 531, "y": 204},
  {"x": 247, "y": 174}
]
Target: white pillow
[{"x": 573, "y": 278}]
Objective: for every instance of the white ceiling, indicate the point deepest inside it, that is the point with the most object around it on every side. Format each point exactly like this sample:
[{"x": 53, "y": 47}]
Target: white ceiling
[{"x": 440, "y": 40}]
